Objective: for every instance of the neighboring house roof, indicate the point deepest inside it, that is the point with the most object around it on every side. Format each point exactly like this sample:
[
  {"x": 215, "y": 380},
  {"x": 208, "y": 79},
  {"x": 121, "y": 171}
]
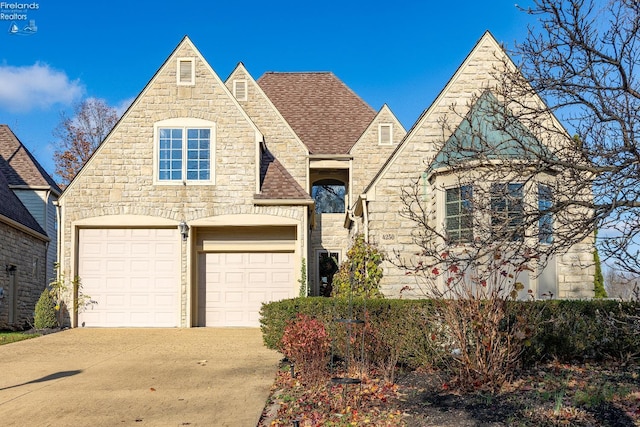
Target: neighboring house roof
[
  {"x": 276, "y": 182},
  {"x": 325, "y": 114},
  {"x": 12, "y": 208},
  {"x": 489, "y": 132},
  {"x": 19, "y": 167}
]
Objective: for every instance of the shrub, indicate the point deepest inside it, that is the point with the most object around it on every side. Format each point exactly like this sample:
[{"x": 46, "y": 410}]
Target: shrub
[
  {"x": 45, "y": 315},
  {"x": 306, "y": 343},
  {"x": 360, "y": 274}
]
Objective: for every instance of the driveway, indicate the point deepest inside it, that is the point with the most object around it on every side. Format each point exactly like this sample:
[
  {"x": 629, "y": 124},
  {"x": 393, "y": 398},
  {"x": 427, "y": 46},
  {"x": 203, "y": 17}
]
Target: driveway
[{"x": 141, "y": 377}]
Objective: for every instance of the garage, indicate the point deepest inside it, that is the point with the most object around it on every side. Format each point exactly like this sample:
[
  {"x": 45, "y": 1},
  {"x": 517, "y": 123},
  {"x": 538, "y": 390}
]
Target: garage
[
  {"x": 236, "y": 284},
  {"x": 132, "y": 276},
  {"x": 240, "y": 269}
]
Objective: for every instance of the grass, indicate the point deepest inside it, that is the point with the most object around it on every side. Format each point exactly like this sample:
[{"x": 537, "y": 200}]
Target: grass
[{"x": 7, "y": 337}]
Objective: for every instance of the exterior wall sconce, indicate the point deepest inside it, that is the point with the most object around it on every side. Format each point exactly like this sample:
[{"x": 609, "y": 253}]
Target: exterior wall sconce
[{"x": 184, "y": 230}]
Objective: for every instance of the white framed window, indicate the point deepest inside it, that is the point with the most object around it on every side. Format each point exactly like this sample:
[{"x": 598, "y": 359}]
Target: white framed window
[
  {"x": 545, "y": 222},
  {"x": 507, "y": 211},
  {"x": 385, "y": 134},
  {"x": 186, "y": 71},
  {"x": 240, "y": 90},
  {"x": 184, "y": 151},
  {"x": 459, "y": 214}
]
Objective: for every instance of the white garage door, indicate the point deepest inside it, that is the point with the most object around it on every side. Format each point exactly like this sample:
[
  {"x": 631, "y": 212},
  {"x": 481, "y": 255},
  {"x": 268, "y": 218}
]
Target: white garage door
[
  {"x": 233, "y": 286},
  {"x": 133, "y": 275}
]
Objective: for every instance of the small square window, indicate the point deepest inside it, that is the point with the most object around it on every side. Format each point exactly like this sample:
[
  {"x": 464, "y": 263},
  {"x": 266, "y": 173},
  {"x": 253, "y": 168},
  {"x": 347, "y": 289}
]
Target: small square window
[{"x": 186, "y": 72}]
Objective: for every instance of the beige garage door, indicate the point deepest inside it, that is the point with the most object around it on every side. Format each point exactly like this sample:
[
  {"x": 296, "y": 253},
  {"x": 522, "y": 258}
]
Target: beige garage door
[
  {"x": 133, "y": 275},
  {"x": 233, "y": 286}
]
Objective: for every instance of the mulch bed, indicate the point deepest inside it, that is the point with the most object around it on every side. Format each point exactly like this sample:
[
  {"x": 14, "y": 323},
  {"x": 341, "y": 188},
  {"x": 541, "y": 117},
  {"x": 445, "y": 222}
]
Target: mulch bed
[{"x": 602, "y": 394}]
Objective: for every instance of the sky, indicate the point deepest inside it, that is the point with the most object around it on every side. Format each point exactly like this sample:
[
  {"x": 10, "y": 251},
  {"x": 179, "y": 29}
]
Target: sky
[{"x": 53, "y": 54}]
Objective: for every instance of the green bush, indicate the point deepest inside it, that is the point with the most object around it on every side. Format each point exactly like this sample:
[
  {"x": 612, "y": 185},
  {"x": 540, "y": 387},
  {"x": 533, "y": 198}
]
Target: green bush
[
  {"x": 360, "y": 274},
  {"x": 402, "y": 331},
  {"x": 45, "y": 315}
]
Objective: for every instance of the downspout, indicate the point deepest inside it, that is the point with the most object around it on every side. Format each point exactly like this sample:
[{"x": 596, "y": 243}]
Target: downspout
[{"x": 365, "y": 217}]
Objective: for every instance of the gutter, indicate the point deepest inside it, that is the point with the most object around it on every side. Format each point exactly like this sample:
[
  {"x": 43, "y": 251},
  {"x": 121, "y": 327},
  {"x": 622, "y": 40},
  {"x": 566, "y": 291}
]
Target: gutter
[{"x": 24, "y": 228}]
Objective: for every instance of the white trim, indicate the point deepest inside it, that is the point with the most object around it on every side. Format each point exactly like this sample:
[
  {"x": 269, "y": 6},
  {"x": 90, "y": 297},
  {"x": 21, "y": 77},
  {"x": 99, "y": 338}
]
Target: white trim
[
  {"x": 390, "y": 136},
  {"x": 185, "y": 60},
  {"x": 240, "y": 89},
  {"x": 184, "y": 123}
]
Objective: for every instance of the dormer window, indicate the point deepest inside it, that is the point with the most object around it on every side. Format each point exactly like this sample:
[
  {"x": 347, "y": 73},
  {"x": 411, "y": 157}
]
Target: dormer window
[
  {"x": 385, "y": 134},
  {"x": 186, "y": 71},
  {"x": 240, "y": 90}
]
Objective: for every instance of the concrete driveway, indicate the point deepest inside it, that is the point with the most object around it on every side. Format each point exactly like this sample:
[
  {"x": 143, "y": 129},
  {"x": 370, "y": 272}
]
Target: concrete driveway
[{"x": 141, "y": 377}]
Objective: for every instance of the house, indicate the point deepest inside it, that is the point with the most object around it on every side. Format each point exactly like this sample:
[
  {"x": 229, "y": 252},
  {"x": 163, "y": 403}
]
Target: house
[
  {"x": 208, "y": 196},
  {"x": 27, "y": 220}
]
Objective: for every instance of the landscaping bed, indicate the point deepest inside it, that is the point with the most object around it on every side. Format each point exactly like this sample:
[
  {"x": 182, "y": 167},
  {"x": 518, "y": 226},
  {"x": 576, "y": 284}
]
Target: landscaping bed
[{"x": 553, "y": 394}]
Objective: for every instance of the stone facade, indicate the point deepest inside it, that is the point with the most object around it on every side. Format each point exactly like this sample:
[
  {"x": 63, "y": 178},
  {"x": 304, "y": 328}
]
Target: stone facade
[
  {"x": 118, "y": 188},
  {"x": 393, "y": 234},
  {"x": 22, "y": 276}
]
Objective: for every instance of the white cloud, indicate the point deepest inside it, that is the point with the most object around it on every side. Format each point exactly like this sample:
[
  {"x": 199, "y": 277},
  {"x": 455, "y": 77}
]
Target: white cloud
[
  {"x": 38, "y": 86},
  {"x": 123, "y": 105}
]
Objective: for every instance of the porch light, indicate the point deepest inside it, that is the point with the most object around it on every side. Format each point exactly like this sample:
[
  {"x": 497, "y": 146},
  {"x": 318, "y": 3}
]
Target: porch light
[{"x": 184, "y": 230}]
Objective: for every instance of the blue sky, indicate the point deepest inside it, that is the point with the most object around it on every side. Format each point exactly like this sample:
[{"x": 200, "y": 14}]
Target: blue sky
[{"x": 401, "y": 53}]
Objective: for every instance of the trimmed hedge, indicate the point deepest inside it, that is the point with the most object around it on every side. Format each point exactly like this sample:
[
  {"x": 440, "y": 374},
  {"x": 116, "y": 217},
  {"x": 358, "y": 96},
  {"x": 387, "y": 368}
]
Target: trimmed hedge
[{"x": 567, "y": 330}]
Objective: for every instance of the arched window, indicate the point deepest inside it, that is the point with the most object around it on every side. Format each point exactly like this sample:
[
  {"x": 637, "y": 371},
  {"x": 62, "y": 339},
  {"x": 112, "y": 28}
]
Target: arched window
[{"x": 329, "y": 196}]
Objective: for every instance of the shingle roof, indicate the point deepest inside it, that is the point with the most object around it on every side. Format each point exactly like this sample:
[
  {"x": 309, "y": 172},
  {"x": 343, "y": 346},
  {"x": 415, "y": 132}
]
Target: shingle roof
[
  {"x": 276, "y": 182},
  {"x": 11, "y": 207},
  {"x": 325, "y": 114},
  {"x": 20, "y": 168}
]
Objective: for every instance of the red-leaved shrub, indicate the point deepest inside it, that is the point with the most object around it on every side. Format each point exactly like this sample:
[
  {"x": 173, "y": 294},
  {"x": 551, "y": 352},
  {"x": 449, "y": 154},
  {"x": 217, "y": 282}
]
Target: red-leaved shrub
[{"x": 307, "y": 344}]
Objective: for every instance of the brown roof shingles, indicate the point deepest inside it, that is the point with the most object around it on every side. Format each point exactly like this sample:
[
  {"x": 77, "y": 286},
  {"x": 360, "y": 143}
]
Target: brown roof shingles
[
  {"x": 276, "y": 182},
  {"x": 20, "y": 168},
  {"x": 325, "y": 114}
]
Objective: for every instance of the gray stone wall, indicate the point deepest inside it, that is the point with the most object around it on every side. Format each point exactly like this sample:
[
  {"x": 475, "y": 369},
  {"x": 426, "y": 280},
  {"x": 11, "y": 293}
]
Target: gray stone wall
[{"x": 28, "y": 255}]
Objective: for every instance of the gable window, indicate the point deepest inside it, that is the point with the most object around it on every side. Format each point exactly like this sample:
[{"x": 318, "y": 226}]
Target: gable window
[
  {"x": 507, "y": 211},
  {"x": 329, "y": 196},
  {"x": 545, "y": 222},
  {"x": 385, "y": 134},
  {"x": 240, "y": 90},
  {"x": 185, "y": 153},
  {"x": 459, "y": 214},
  {"x": 186, "y": 71}
]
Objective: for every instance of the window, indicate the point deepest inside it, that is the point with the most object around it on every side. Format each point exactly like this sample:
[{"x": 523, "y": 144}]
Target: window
[
  {"x": 385, "y": 134},
  {"x": 329, "y": 196},
  {"x": 240, "y": 90},
  {"x": 545, "y": 222},
  {"x": 184, "y": 151},
  {"x": 507, "y": 211},
  {"x": 186, "y": 72},
  {"x": 459, "y": 214}
]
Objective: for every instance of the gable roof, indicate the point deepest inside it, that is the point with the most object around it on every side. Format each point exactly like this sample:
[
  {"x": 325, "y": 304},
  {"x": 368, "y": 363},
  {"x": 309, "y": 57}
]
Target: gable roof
[
  {"x": 277, "y": 183},
  {"x": 12, "y": 208},
  {"x": 184, "y": 43},
  {"x": 19, "y": 167},
  {"x": 491, "y": 132},
  {"x": 325, "y": 114},
  {"x": 487, "y": 39}
]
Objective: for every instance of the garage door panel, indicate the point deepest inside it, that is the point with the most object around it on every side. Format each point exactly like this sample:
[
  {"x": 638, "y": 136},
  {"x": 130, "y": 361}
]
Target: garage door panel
[
  {"x": 133, "y": 276},
  {"x": 233, "y": 286}
]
